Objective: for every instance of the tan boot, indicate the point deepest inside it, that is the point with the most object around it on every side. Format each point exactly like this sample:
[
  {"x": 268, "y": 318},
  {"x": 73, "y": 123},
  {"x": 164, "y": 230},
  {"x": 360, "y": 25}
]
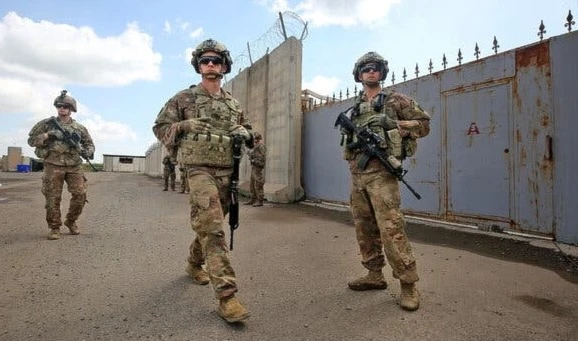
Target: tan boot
[
  {"x": 54, "y": 234},
  {"x": 258, "y": 203},
  {"x": 251, "y": 202},
  {"x": 232, "y": 310},
  {"x": 409, "y": 299},
  {"x": 72, "y": 227},
  {"x": 198, "y": 274},
  {"x": 373, "y": 281}
]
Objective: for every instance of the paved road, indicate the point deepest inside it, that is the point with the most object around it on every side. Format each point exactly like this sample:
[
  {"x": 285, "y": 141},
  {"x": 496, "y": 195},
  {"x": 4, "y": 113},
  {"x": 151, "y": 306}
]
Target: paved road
[{"x": 124, "y": 279}]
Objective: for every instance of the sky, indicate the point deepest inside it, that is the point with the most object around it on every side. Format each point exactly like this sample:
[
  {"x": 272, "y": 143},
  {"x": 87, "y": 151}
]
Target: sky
[{"x": 122, "y": 60}]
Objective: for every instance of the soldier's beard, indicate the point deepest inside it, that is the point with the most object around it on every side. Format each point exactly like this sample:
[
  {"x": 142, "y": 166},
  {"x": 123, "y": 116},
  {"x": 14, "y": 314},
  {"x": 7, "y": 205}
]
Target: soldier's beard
[
  {"x": 372, "y": 84},
  {"x": 212, "y": 75}
]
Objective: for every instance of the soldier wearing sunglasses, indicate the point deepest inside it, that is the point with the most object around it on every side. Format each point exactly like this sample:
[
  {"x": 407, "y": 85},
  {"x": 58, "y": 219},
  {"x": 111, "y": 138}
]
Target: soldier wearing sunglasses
[
  {"x": 199, "y": 123},
  {"x": 62, "y": 163},
  {"x": 375, "y": 196}
]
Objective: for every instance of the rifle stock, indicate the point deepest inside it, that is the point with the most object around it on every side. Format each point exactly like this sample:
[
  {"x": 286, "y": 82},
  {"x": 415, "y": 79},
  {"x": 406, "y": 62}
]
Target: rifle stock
[
  {"x": 72, "y": 140},
  {"x": 370, "y": 143},
  {"x": 234, "y": 187}
]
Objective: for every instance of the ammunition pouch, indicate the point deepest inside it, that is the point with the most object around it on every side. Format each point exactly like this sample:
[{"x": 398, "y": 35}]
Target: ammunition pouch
[{"x": 205, "y": 150}]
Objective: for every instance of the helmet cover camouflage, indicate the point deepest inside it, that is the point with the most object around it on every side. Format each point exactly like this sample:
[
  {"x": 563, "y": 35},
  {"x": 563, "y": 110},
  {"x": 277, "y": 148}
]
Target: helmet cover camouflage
[
  {"x": 215, "y": 46},
  {"x": 63, "y": 98},
  {"x": 370, "y": 57}
]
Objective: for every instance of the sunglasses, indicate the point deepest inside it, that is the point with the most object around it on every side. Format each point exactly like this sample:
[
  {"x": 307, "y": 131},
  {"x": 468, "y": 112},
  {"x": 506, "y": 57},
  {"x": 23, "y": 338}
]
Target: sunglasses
[
  {"x": 370, "y": 68},
  {"x": 62, "y": 106},
  {"x": 216, "y": 60}
]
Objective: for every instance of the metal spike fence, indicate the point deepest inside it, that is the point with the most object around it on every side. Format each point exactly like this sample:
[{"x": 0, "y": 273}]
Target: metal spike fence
[{"x": 328, "y": 100}]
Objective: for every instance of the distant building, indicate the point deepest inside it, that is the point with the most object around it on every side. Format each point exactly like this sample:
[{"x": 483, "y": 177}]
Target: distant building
[
  {"x": 123, "y": 163},
  {"x": 11, "y": 161}
]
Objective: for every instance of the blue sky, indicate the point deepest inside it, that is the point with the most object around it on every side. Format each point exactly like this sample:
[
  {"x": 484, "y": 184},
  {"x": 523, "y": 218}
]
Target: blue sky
[{"x": 123, "y": 59}]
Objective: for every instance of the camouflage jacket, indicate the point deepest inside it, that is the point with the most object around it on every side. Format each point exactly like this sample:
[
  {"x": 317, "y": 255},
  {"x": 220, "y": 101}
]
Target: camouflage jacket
[
  {"x": 58, "y": 152},
  {"x": 398, "y": 107},
  {"x": 224, "y": 113},
  {"x": 258, "y": 155},
  {"x": 168, "y": 164}
]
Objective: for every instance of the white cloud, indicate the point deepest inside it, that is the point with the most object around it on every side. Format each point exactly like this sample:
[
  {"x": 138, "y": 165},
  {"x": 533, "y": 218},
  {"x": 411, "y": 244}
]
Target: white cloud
[
  {"x": 167, "y": 28},
  {"x": 336, "y": 12},
  {"x": 197, "y": 33},
  {"x": 60, "y": 53},
  {"x": 325, "y": 86}
]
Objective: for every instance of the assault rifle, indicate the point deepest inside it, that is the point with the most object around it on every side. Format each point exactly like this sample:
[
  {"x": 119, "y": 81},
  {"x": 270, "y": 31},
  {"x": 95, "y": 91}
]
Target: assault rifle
[
  {"x": 370, "y": 143},
  {"x": 233, "y": 187},
  {"x": 72, "y": 139}
]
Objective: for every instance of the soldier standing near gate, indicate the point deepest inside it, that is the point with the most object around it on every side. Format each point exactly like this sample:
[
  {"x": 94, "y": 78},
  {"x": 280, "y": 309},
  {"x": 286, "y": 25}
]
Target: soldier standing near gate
[{"x": 258, "y": 158}]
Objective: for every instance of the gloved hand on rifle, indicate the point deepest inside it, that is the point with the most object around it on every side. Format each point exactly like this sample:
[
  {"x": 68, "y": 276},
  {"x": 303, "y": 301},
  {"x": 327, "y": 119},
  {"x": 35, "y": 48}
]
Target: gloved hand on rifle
[
  {"x": 55, "y": 134},
  {"x": 85, "y": 154},
  {"x": 383, "y": 121},
  {"x": 194, "y": 125},
  {"x": 241, "y": 131}
]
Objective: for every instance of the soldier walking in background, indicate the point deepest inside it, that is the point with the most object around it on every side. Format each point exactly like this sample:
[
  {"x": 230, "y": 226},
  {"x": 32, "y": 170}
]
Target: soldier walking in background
[
  {"x": 375, "y": 196},
  {"x": 62, "y": 163},
  {"x": 257, "y": 157},
  {"x": 169, "y": 173},
  {"x": 200, "y": 122}
]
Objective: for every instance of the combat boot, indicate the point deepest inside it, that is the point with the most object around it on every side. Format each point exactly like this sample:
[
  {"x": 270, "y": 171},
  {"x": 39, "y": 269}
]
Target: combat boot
[
  {"x": 409, "y": 299},
  {"x": 165, "y": 189},
  {"x": 374, "y": 280},
  {"x": 54, "y": 234},
  {"x": 251, "y": 202},
  {"x": 232, "y": 310},
  {"x": 258, "y": 203},
  {"x": 72, "y": 227},
  {"x": 198, "y": 274}
]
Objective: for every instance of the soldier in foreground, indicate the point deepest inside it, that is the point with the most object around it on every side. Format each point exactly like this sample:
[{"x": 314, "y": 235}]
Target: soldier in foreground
[
  {"x": 257, "y": 157},
  {"x": 62, "y": 154},
  {"x": 169, "y": 173},
  {"x": 200, "y": 122},
  {"x": 375, "y": 196}
]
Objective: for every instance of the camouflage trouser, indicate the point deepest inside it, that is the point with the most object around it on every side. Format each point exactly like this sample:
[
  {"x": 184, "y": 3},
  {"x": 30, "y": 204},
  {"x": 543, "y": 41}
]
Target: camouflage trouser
[
  {"x": 52, "y": 185},
  {"x": 209, "y": 201},
  {"x": 380, "y": 226},
  {"x": 184, "y": 182},
  {"x": 257, "y": 182},
  {"x": 172, "y": 175}
]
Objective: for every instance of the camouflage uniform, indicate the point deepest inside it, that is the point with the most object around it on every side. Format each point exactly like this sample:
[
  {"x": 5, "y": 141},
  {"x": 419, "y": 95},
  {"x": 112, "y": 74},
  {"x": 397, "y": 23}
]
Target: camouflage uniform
[
  {"x": 375, "y": 196},
  {"x": 184, "y": 182},
  {"x": 257, "y": 157},
  {"x": 169, "y": 173},
  {"x": 62, "y": 163},
  {"x": 208, "y": 176}
]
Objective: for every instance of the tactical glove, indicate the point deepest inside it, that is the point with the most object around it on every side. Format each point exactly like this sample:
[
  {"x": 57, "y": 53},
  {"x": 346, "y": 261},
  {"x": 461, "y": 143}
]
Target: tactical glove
[
  {"x": 86, "y": 154},
  {"x": 241, "y": 131},
  {"x": 55, "y": 134},
  {"x": 383, "y": 121},
  {"x": 194, "y": 125}
]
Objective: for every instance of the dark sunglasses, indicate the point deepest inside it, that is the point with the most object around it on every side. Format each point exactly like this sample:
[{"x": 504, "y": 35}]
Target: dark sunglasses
[
  {"x": 216, "y": 60},
  {"x": 370, "y": 68},
  {"x": 62, "y": 106}
]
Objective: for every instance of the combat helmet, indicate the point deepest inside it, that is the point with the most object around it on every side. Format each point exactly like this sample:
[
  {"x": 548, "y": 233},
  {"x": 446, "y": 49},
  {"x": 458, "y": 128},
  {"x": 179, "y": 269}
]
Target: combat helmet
[
  {"x": 257, "y": 136},
  {"x": 370, "y": 57},
  {"x": 65, "y": 99},
  {"x": 215, "y": 46}
]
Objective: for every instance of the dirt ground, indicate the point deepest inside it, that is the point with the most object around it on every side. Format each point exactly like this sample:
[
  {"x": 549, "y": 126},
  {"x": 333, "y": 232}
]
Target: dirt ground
[{"x": 123, "y": 278}]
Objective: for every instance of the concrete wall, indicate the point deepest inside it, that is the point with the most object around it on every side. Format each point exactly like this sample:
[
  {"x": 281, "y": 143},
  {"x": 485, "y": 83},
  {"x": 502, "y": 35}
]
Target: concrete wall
[
  {"x": 112, "y": 163},
  {"x": 14, "y": 158}
]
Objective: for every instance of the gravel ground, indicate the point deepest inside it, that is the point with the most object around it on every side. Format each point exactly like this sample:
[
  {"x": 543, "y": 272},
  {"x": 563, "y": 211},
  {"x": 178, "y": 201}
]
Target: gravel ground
[{"x": 123, "y": 278}]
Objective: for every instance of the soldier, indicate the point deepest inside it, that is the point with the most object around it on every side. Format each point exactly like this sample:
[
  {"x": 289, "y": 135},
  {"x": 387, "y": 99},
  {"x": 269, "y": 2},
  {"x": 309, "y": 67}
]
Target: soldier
[
  {"x": 62, "y": 163},
  {"x": 200, "y": 122},
  {"x": 169, "y": 173},
  {"x": 184, "y": 182},
  {"x": 257, "y": 157},
  {"x": 375, "y": 196}
]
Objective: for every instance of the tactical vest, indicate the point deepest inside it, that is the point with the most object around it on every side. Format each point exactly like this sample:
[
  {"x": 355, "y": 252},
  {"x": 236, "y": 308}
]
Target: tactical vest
[
  {"x": 60, "y": 146},
  {"x": 393, "y": 143},
  {"x": 213, "y": 149}
]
